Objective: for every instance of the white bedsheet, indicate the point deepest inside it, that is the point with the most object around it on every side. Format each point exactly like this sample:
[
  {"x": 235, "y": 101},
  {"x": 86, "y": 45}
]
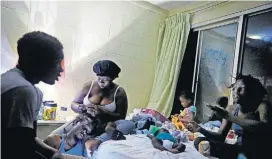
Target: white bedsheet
[{"x": 140, "y": 147}]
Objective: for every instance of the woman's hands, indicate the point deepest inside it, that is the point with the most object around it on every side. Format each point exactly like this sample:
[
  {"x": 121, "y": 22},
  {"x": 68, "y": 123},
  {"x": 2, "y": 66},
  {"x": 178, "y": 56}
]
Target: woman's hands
[
  {"x": 93, "y": 110},
  {"x": 82, "y": 108}
]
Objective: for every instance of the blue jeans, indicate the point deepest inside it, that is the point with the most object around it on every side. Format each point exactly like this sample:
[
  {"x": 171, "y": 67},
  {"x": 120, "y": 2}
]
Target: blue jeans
[{"x": 125, "y": 126}]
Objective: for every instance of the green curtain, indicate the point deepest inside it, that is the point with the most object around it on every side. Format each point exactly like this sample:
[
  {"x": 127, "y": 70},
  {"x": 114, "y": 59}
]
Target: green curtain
[{"x": 172, "y": 40}]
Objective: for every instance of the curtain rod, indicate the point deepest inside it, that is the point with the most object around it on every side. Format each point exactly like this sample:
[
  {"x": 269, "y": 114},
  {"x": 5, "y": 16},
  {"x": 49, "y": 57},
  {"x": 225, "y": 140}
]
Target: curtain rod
[{"x": 201, "y": 8}]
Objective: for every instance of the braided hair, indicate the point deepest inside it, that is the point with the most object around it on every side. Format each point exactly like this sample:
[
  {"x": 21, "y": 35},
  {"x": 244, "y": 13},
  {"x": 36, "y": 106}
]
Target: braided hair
[{"x": 255, "y": 91}]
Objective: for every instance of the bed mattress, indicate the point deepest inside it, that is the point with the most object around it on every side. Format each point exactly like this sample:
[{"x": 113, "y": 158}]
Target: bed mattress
[{"x": 140, "y": 147}]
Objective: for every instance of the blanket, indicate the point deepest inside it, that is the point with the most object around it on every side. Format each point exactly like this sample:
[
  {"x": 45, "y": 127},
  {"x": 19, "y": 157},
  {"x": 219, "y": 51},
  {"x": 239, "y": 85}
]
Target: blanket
[{"x": 140, "y": 147}]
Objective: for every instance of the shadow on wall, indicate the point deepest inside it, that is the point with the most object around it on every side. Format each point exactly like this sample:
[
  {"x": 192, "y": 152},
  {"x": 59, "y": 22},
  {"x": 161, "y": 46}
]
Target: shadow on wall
[{"x": 130, "y": 41}]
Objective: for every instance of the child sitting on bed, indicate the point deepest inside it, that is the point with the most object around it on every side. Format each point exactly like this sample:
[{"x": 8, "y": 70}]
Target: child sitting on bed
[
  {"x": 164, "y": 141},
  {"x": 188, "y": 114}
]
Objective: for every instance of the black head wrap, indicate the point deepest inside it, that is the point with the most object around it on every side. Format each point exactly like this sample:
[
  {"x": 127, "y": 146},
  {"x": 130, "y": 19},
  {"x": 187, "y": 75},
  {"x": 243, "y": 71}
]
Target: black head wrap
[{"x": 106, "y": 68}]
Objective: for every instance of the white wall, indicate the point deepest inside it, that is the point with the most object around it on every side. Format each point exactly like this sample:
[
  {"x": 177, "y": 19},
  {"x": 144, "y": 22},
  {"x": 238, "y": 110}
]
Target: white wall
[
  {"x": 122, "y": 31},
  {"x": 8, "y": 57}
]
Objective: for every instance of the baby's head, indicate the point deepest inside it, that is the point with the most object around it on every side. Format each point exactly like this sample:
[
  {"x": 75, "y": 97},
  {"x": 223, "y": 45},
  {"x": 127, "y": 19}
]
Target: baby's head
[
  {"x": 161, "y": 130},
  {"x": 222, "y": 102},
  {"x": 186, "y": 98}
]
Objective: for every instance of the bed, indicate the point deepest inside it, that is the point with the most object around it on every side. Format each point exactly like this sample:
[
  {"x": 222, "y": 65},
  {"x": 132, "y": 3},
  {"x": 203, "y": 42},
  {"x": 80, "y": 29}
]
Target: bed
[{"x": 140, "y": 147}]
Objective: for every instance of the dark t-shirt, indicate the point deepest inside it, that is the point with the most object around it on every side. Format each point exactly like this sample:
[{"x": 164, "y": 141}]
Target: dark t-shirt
[
  {"x": 20, "y": 104},
  {"x": 20, "y": 100}
]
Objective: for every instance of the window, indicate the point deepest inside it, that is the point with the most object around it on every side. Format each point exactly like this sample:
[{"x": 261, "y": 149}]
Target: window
[
  {"x": 217, "y": 47},
  {"x": 240, "y": 44},
  {"x": 257, "y": 48}
]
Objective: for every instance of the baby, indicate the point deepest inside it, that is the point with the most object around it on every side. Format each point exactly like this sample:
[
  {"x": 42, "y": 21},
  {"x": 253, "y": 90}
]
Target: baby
[{"x": 164, "y": 141}]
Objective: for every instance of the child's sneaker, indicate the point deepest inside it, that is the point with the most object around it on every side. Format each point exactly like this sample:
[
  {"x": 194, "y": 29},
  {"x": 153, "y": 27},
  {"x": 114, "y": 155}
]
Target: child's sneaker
[{"x": 204, "y": 148}]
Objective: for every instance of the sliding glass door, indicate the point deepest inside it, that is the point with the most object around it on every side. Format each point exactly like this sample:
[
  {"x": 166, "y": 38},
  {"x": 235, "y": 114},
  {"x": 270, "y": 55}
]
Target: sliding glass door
[
  {"x": 257, "y": 48},
  {"x": 215, "y": 63}
]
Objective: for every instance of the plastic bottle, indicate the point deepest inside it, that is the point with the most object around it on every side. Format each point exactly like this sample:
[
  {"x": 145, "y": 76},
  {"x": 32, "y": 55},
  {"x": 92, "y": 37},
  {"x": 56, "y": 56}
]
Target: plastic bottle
[
  {"x": 49, "y": 110},
  {"x": 40, "y": 114}
]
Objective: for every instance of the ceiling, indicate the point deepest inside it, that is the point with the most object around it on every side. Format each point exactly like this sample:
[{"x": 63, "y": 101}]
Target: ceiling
[
  {"x": 258, "y": 26},
  {"x": 166, "y": 4}
]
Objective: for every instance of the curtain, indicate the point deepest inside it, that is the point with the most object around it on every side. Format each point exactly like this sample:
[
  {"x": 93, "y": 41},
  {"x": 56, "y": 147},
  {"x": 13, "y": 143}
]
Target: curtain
[{"x": 172, "y": 40}]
